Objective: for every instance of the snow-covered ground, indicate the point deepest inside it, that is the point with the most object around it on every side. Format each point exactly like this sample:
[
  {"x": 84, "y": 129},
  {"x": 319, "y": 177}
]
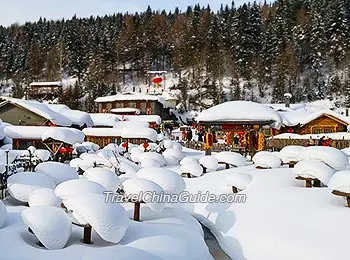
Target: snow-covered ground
[{"x": 279, "y": 219}]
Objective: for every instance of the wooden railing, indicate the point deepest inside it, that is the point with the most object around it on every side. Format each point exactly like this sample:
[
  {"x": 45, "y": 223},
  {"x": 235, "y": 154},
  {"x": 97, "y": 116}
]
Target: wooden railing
[{"x": 276, "y": 144}]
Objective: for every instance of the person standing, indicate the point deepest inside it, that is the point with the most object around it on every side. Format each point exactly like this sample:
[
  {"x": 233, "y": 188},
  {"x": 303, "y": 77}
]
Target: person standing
[{"x": 189, "y": 135}]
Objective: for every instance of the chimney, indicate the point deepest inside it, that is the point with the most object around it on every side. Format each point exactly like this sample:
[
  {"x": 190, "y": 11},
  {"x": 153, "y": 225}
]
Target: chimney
[{"x": 347, "y": 112}]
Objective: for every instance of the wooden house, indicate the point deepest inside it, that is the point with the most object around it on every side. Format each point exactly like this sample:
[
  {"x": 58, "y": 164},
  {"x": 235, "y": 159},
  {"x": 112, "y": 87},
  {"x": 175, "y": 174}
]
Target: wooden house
[
  {"x": 30, "y": 113},
  {"x": 320, "y": 122},
  {"x": 105, "y": 136},
  {"x": 241, "y": 119},
  {"x": 44, "y": 90},
  {"x": 146, "y": 104}
]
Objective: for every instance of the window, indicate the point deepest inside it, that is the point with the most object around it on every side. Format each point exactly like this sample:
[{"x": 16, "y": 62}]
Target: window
[
  {"x": 322, "y": 130},
  {"x": 266, "y": 132}
]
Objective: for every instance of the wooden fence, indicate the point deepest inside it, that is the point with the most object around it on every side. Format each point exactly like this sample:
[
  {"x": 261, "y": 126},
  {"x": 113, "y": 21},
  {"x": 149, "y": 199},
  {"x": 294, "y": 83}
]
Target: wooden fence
[{"x": 276, "y": 144}]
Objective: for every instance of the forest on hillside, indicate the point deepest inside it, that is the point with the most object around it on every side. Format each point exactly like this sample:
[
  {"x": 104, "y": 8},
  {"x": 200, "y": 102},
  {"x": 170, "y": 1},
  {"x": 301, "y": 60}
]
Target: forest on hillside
[{"x": 296, "y": 46}]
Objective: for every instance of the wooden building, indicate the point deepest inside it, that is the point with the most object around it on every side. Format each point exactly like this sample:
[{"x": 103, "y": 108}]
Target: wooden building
[
  {"x": 320, "y": 122},
  {"x": 30, "y": 113},
  {"x": 44, "y": 90},
  {"x": 241, "y": 122},
  {"x": 105, "y": 136},
  {"x": 147, "y": 104}
]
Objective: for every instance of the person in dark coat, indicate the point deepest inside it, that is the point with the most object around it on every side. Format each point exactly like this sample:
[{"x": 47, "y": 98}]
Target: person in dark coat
[
  {"x": 200, "y": 136},
  {"x": 189, "y": 135}
]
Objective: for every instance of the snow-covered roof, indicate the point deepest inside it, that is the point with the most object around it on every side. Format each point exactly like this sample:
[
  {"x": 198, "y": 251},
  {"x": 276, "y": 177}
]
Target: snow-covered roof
[
  {"x": 241, "y": 112},
  {"x": 145, "y": 118},
  {"x": 125, "y": 110},
  {"x": 293, "y": 118},
  {"x": 132, "y": 133},
  {"x": 25, "y": 132},
  {"x": 42, "y": 84},
  {"x": 104, "y": 119},
  {"x": 146, "y": 133},
  {"x": 102, "y": 131},
  {"x": 127, "y": 96},
  {"x": 77, "y": 117},
  {"x": 333, "y": 136},
  {"x": 63, "y": 134},
  {"x": 42, "y": 110}
]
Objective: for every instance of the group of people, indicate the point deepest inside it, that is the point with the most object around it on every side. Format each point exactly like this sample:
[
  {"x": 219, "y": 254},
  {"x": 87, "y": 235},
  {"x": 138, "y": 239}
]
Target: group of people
[
  {"x": 187, "y": 135},
  {"x": 322, "y": 142}
]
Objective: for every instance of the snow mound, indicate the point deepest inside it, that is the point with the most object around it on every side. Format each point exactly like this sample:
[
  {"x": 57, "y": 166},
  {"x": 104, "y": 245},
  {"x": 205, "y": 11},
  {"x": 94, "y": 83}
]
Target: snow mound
[
  {"x": 94, "y": 159},
  {"x": 314, "y": 169},
  {"x": 194, "y": 169},
  {"x": 22, "y": 184},
  {"x": 149, "y": 162},
  {"x": 44, "y": 197},
  {"x": 170, "y": 181},
  {"x": 235, "y": 159},
  {"x": 135, "y": 154},
  {"x": 171, "y": 160},
  {"x": 104, "y": 177},
  {"x": 109, "y": 220},
  {"x": 291, "y": 153},
  {"x": 12, "y": 155},
  {"x": 134, "y": 187},
  {"x": 59, "y": 172},
  {"x": 78, "y": 187},
  {"x": 90, "y": 146},
  {"x": 210, "y": 162},
  {"x": 3, "y": 214},
  {"x": 259, "y": 154},
  {"x": 112, "y": 147},
  {"x": 239, "y": 180},
  {"x": 122, "y": 253},
  {"x": 267, "y": 160},
  {"x": 153, "y": 155},
  {"x": 329, "y": 155},
  {"x": 174, "y": 153},
  {"x": 340, "y": 181},
  {"x": 51, "y": 225},
  {"x": 43, "y": 155},
  {"x": 188, "y": 160},
  {"x": 346, "y": 151},
  {"x": 78, "y": 163},
  {"x": 168, "y": 144}
]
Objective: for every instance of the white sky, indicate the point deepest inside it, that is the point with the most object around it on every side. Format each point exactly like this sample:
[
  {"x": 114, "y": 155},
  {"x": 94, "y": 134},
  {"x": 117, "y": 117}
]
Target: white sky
[{"x": 20, "y": 11}]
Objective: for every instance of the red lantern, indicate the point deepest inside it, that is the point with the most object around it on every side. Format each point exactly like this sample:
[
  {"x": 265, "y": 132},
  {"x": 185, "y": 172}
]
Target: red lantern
[
  {"x": 157, "y": 80},
  {"x": 145, "y": 145},
  {"x": 66, "y": 150}
]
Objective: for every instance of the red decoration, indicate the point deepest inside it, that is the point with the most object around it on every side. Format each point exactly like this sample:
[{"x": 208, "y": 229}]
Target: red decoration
[
  {"x": 124, "y": 145},
  {"x": 66, "y": 150},
  {"x": 145, "y": 145},
  {"x": 290, "y": 130},
  {"x": 157, "y": 80}
]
